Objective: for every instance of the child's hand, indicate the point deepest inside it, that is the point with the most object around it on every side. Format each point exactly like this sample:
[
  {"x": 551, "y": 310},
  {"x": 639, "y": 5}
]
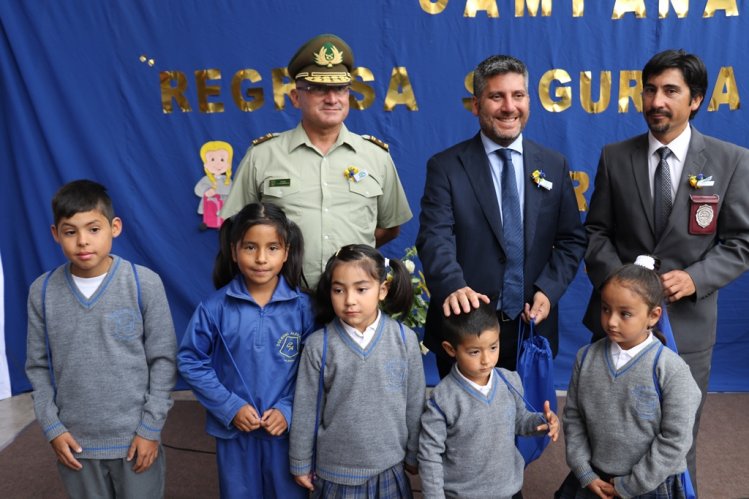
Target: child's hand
[
  {"x": 64, "y": 445},
  {"x": 246, "y": 418},
  {"x": 411, "y": 468},
  {"x": 146, "y": 451},
  {"x": 274, "y": 422},
  {"x": 305, "y": 481},
  {"x": 602, "y": 489},
  {"x": 552, "y": 425}
]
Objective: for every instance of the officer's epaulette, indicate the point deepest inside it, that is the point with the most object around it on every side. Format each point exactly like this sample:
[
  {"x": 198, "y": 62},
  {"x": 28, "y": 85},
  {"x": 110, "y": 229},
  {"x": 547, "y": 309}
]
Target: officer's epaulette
[
  {"x": 376, "y": 141},
  {"x": 264, "y": 138}
]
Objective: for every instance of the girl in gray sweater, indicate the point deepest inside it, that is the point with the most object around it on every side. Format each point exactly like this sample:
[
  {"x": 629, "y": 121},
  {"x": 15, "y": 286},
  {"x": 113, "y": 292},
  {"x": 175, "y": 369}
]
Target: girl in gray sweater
[
  {"x": 360, "y": 387},
  {"x": 631, "y": 403}
]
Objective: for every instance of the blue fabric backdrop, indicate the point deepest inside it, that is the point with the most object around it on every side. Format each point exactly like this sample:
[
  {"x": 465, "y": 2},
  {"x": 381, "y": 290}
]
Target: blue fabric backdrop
[{"x": 101, "y": 90}]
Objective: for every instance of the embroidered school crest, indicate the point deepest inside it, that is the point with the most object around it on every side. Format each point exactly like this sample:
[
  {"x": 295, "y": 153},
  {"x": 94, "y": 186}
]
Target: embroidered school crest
[
  {"x": 288, "y": 346},
  {"x": 121, "y": 323},
  {"x": 328, "y": 55}
]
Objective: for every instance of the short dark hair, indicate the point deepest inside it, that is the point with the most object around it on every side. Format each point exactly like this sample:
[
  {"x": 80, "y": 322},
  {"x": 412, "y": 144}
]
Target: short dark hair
[
  {"x": 497, "y": 65},
  {"x": 80, "y": 196},
  {"x": 456, "y": 328},
  {"x": 691, "y": 67}
]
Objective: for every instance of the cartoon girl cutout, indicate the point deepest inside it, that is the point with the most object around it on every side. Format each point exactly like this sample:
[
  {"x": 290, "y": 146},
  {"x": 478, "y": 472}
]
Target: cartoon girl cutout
[{"x": 213, "y": 188}]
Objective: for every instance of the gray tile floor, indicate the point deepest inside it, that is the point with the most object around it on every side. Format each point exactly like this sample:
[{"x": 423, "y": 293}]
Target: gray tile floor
[
  {"x": 15, "y": 414},
  {"x": 18, "y": 411}
]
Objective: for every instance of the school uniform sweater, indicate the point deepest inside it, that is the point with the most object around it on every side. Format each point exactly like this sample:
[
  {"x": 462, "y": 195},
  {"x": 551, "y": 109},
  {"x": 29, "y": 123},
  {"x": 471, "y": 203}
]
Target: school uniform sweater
[
  {"x": 614, "y": 420},
  {"x": 235, "y": 352},
  {"x": 112, "y": 365},
  {"x": 467, "y": 441},
  {"x": 369, "y": 409}
]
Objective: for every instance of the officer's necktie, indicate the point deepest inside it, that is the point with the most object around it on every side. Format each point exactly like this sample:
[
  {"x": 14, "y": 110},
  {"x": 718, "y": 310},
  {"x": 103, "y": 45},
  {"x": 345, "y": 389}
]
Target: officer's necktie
[
  {"x": 512, "y": 231},
  {"x": 662, "y": 192}
]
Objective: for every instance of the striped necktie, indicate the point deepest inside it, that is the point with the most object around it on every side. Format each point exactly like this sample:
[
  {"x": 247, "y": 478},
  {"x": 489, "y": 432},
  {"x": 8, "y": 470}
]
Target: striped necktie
[
  {"x": 662, "y": 192},
  {"x": 512, "y": 232}
]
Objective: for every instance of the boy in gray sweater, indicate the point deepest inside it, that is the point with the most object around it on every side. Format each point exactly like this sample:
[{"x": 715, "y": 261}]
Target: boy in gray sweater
[
  {"x": 100, "y": 354},
  {"x": 467, "y": 441}
]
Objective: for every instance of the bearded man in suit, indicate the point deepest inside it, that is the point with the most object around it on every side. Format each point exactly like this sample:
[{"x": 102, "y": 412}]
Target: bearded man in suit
[{"x": 692, "y": 214}]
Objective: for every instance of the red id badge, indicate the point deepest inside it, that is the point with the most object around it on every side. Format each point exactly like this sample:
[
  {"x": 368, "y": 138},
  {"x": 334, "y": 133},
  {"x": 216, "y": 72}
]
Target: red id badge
[{"x": 703, "y": 214}]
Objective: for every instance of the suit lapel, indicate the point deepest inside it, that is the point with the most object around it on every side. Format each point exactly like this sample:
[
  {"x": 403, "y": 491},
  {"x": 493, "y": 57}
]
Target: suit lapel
[
  {"x": 478, "y": 172},
  {"x": 533, "y": 195},
  {"x": 638, "y": 163}
]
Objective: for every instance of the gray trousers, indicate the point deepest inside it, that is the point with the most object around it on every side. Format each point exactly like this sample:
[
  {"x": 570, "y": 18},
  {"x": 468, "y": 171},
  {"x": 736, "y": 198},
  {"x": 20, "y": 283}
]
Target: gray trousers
[
  {"x": 114, "y": 478},
  {"x": 699, "y": 364}
]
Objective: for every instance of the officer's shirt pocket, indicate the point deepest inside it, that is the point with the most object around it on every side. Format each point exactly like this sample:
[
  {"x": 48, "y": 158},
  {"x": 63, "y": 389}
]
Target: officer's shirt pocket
[{"x": 367, "y": 187}]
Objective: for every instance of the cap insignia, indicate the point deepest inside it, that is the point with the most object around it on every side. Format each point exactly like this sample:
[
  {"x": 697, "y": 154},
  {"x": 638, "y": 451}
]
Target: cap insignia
[{"x": 328, "y": 55}]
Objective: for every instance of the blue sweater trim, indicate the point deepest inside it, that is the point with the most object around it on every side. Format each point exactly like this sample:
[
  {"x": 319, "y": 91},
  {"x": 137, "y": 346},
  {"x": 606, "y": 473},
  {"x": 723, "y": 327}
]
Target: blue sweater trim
[
  {"x": 150, "y": 428},
  {"x": 94, "y": 298},
  {"x": 462, "y": 383},
  {"x": 53, "y": 426},
  {"x": 632, "y": 363},
  {"x": 358, "y": 350}
]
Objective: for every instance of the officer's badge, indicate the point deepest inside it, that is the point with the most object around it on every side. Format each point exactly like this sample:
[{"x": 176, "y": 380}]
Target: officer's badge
[{"x": 328, "y": 55}]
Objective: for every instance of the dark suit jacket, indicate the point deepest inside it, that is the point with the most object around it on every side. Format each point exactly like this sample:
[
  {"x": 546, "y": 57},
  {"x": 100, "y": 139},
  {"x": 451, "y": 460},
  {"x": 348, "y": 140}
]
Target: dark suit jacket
[
  {"x": 620, "y": 227},
  {"x": 460, "y": 239}
]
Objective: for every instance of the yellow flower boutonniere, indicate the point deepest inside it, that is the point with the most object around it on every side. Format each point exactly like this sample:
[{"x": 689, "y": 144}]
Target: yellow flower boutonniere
[
  {"x": 699, "y": 181},
  {"x": 353, "y": 173},
  {"x": 539, "y": 178}
]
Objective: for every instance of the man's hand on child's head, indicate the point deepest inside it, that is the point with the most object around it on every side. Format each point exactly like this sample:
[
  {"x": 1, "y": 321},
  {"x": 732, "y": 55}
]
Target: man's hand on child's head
[
  {"x": 144, "y": 451},
  {"x": 274, "y": 422},
  {"x": 305, "y": 481},
  {"x": 246, "y": 419},
  {"x": 602, "y": 489},
  {"x": 464, "y": 299},
  {"x": 552, "y": 423},
  {"x": 64, "y": 445}
]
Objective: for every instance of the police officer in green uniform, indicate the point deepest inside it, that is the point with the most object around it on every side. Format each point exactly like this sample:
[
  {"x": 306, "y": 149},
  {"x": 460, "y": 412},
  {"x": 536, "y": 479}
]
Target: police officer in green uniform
[{"x": 339, "y": 187}]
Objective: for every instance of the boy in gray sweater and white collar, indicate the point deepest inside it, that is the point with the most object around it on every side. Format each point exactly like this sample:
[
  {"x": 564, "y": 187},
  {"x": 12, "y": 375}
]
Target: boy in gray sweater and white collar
[
  {"x": 467, "y": 441},
  {"x": 101, "y": 355}
]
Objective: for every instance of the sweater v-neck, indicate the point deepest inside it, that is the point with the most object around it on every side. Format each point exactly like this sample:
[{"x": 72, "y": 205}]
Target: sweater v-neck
[
  {"x": 91, "y": 301},
  {"x": 615, "y": 373},
  {"x": 364, "y": 353},
  {"x": 473, "y": 392}
]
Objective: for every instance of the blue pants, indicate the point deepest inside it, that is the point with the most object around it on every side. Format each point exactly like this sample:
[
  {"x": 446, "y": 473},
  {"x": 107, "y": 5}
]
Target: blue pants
[{"x": 250, "y": 466}]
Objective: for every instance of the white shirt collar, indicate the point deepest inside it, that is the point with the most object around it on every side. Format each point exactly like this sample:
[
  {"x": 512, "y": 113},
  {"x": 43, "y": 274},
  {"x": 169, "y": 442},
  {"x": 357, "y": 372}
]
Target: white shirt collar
[
  {"x": 363, "y": 338},
  {"x": 679, "y": 146},
  {"x": 485, "y": 389},
  {"x": 490, "y": 146},
  {"x": 621, "y": 356}
]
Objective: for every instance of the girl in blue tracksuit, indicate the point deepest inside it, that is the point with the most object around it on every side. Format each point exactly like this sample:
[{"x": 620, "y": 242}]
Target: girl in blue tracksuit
[{"x": 240, "y": 352}]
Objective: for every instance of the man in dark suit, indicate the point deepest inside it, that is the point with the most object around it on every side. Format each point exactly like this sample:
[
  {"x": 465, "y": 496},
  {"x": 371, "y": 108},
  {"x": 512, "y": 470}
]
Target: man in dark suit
[
  {"x": 522, "y": 266},
  {"x": 700, "y": 233}
]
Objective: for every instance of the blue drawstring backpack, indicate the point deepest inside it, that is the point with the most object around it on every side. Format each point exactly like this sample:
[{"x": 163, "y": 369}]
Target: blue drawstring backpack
[
  {"x": 664, "y": 326},
  {"x": 535, "y": 366}
]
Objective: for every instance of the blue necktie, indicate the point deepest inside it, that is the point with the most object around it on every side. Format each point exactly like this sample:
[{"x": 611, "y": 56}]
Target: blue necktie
[
  {"x": 512, "y": 231},
  {"x": 662, "y": 192}
]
